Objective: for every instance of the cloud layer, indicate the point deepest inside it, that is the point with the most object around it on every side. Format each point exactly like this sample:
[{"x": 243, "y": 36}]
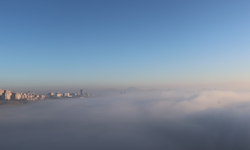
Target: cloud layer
[{"x": 174, "y": 120}]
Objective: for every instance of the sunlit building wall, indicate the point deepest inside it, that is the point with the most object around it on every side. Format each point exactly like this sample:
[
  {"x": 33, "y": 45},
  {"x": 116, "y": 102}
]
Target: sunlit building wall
[
  {"x": 1, "y": 92},
  {"x": 16, "y": 96},
  {"x": 58, "y": 95},
  {"x": 6, "y": 95}
]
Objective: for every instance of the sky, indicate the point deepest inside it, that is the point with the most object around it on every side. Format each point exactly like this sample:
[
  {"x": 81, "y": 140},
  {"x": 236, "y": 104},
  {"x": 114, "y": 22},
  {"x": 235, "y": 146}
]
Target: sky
[{"x": 102, "y": 44}]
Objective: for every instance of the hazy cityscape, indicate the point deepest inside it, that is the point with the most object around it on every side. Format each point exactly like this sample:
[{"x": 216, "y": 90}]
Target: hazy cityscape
[
  {"x": 124, "y": 75},
  {"x": 30, "y": 96}
]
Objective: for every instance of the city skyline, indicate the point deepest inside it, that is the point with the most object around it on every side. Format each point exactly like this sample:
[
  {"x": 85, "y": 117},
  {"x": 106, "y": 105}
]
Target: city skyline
[
  {"x": 7, "y": 95},
  {"x": 124, "y": 74}
]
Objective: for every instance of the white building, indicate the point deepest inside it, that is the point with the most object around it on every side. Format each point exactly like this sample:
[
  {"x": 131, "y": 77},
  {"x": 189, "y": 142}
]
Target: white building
[
  {"x": 16, "y": 96},
  {"x": 66, "y": 95},
  {"x": 58, "y": 95},
  {"x": 6, "y": 95}
]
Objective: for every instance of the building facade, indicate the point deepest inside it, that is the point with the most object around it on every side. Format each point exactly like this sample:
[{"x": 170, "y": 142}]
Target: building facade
[
  {"x": 42, "y": 97},
  {"x": 81, "y": 92},
  {"x": 51, "y": 94},
  {"x": 23, "y": 96},
  {"x": 1, "y": 92},
  {"x": 6, "y": 95},
  {"x": 16, "y": 96},
  {"x": 30, "y": 96},
  {"x": 66, "y": 95},
  {"x": 58, "y": 95}
]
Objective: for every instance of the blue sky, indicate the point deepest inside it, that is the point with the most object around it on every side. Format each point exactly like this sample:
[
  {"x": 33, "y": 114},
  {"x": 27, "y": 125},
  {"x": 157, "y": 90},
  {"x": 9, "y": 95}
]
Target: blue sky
[{"x": 123, "y": 43}]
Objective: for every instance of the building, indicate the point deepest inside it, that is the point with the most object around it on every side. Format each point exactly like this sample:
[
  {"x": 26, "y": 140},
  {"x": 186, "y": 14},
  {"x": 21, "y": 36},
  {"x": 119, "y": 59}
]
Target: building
[
  {"x": 6, "y": 95},
  {"x": 81, "y": 92},
  {"x": 1, "y": 92},
  {"x": 30, "y": 96},
  {"x": 36, "y": 97},
  {"x": 51, "y": 94},
  {"x": 42, "y": 97},
  {"x": 66, "y": 95},
  {"x": 16, "y": 96},
  {"x": 58, "y": 95},
  {"x": 73, "y": 94},
  {"x": 23, "y": 96}
]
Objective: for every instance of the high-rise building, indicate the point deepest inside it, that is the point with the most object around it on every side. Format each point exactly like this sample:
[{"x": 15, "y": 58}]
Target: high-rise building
[
  {"x": 1, "y": 92},
  {"x": 81, "y": 92},
  {"x": 16, "y": 96},
  {"x": 6, "y": 95}
]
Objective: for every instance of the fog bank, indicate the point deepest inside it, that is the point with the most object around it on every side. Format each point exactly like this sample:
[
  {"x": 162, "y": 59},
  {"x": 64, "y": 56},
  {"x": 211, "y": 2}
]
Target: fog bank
[{"x": 172, "y": 120}]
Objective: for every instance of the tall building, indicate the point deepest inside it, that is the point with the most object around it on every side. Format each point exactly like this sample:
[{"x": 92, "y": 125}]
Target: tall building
[
  {"x": 1, "y": 92},
  {"x": 16, "y": 96},
  {"x": 81, "y": 92},
  {"x": 6, "y": 95}
]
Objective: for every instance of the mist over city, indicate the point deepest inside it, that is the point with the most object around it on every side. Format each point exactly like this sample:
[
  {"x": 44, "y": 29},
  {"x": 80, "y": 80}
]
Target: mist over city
[
  {"x": 124, "y": 75},
  {"x": 170, "y": 120}
]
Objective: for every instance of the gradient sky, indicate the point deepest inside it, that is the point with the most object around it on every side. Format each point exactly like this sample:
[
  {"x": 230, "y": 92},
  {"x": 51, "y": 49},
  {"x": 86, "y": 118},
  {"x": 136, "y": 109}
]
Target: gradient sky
[{"x": 58, "y": 43}]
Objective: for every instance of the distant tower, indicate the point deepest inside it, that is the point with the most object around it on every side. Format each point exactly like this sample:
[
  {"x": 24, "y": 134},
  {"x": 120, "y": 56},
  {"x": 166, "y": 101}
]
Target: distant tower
[
  {"x": 6, "y": 95},
  {"x": 16, "y": 96},
  {"x": 1, "y": 92},
  {"x": 81, "y": 92}
]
